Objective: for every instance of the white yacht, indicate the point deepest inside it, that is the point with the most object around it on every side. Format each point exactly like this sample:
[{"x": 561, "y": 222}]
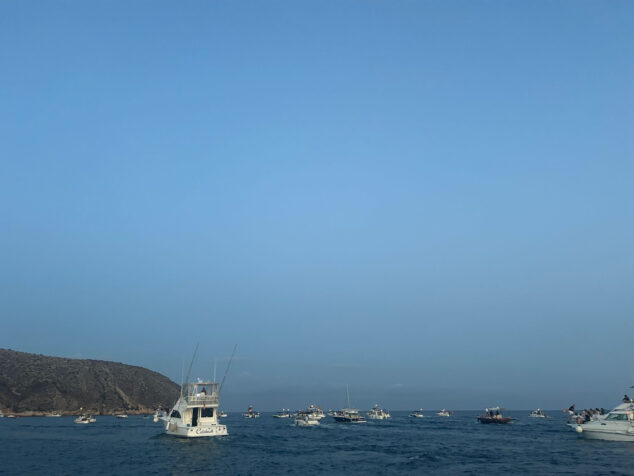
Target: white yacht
[
  {"x": 251, "y": 413},
  {"x": 121, "y": 415},
  {"x": 304, "y": 418},
  {"x": 417, "y": 414},
  {"x": 222, "y": 414},
  {"x": 539, "y": 413},
  {"x": 617, "y": 425},
  {"x": 195, "y": 414},
  {"x": 376, "y": 413},
  {"x": 444, "y": 413}
]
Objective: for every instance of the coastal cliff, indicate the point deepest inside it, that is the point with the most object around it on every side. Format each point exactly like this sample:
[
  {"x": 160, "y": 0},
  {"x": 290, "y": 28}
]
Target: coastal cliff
[{"x": 37, "y": 384}]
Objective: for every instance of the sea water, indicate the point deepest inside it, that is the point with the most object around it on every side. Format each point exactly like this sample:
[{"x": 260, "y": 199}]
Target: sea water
[{"x": 401, "y": 445}]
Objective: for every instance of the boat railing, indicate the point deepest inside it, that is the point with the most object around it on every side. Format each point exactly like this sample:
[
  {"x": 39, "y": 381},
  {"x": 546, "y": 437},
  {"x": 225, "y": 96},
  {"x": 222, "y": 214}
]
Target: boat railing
[{"x": 200, "y": 399}]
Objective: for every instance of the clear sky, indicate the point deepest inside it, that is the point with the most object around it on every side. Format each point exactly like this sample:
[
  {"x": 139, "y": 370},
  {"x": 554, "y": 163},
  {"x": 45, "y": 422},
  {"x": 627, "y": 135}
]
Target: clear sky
[{"x": 430, "y": 201}]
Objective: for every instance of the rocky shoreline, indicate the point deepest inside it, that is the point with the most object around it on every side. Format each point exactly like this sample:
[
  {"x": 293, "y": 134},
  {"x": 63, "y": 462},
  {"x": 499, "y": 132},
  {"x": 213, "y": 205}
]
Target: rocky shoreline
[{"x": 38, "y": 385}]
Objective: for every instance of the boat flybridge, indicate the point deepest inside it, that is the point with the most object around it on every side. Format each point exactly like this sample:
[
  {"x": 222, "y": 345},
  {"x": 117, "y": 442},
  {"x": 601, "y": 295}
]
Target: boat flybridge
[
  {"x": 617, "y": 425},
  {"x": 195, "y": 414}
]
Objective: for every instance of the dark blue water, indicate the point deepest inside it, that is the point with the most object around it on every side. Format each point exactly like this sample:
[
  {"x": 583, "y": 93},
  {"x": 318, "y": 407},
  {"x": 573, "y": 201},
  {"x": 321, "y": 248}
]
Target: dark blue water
[{"x": 456, "y": 445}]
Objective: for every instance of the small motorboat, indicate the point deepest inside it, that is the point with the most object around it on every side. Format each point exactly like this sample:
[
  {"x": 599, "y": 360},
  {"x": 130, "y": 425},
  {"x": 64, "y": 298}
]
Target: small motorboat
[
  {"x": 285, "y": 413},
  {"x": 539, "y": 413},
  {"x": 121, "y": 415},
  {"x": 444, "y": 413},
  {"x": 54, "y": 415},
  {"x": 251, "y": 413},
  {"x": 85, "y": 419},
  {"x": 494, "y": 416},
  {"x": 306, "y": 419},
  {"x": 222, "y": 414},
  {"x": 417, "y": 414},
  {"x": 376, "y": 413},
  {"x": 315, "y": 411}
]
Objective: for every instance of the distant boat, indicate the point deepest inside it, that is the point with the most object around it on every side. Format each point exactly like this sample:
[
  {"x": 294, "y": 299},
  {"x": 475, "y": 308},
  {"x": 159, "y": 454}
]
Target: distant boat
[
  {"x": 121, "y": 415},
  {"x": 539, "y": 413},
  {"x": 444, "y": 413},
  {"x": 348, "y": 415},
  {"x": 376, "y": 413},
  {"x": 285, "y": 413},
  {"x": 304, "y": 418},
  {"x": 222, "y": 414},
  {"x": 251, "y": 413},
  {"x": 54, "y": 415},
  {"x": 85, "y": 419},
  {"x": 417, "y": 414},
  {"x": 494, "y": 416}
]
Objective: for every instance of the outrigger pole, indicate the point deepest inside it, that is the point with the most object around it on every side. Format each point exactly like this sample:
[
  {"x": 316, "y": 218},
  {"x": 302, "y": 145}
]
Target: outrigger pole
[
  {"x": 189, "y": 370},
  {"x": 227, "y": 369}
]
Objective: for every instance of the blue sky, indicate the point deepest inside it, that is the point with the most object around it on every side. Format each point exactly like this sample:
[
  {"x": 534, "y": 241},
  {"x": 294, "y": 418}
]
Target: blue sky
[{"x": 431, "y": 201}]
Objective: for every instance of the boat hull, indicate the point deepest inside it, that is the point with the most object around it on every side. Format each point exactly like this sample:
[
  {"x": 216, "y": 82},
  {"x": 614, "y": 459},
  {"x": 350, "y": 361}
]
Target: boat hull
[
  {"x": 494, "y": 421},
  {"x": 341, "y": 419},
  {"x": 173, "y": 429},
  {"x": 591, "y": 432}
]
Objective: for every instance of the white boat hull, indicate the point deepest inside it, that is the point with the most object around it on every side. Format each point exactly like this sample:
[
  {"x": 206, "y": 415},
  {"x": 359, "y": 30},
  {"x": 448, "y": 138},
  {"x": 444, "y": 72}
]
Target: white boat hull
[
  {"x": 591, "y": 431},
  {"x": 301, "y": 422},
  {"x": 195, "y": 432}
]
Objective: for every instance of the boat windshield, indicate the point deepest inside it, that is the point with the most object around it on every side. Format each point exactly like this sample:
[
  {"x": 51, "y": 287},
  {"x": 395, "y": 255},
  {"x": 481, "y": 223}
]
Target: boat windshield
[{"x": 617, "y": 416}]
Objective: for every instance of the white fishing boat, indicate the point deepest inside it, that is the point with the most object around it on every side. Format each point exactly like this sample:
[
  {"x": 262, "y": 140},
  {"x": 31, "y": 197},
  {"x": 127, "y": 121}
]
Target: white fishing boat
[
  {"x": 303, "y": 418},
  {"x": 54, "y": 415},
  {"x": 285, "y": 413},
  {"x": 121, "y": 415},
  {"x": 617, "y": 425},
  {"x": 539, "y": 413},
  {"x": 195, "y": 413},
  {"x": 316, "y": 411},
  {"x": 85, "y": 419},
  {"x": 417, "y": 414},
  {"x": 222, "y": 414},
  {"x": 444, "y": 413},
  {"x": 251, "y": 413},
  {"x": 377, "y": 413}
]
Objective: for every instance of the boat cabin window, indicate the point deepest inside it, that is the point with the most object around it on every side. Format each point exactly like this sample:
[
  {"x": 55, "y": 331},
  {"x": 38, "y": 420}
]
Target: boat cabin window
[
  {"x": 175, "y": 414},
  {"x": 207, "y": 413},
  {"x": 617, "y": 416}
]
